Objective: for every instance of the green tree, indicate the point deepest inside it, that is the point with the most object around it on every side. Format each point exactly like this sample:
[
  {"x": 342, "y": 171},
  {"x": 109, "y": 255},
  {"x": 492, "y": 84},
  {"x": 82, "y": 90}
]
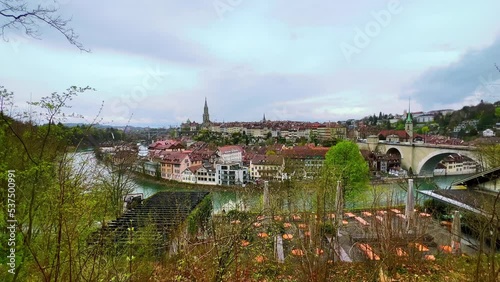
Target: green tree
[
  {"x": 486, "y": 116},
  {"x": 49, "y": 206},
  {"x": 388, "y": 124},
  {"x": 269, "y": 135},
  {"x": 490, "y": 155},
  {"x": 302, "y": 141},
  {"x": 473, "y": 132},
  {"x": 328, "y": 142},
  {"x": 270, "y": 153},
  {"x": 345, "y": 162},
  {"x": 313, "y": 138},
  {"x": 400, "y": 125},
  {"x": 60, "y": 199},
  {"x": 116, "y": 180},
  {"x": 236, "y": 138},
  {"x": 425, "y": 129}
]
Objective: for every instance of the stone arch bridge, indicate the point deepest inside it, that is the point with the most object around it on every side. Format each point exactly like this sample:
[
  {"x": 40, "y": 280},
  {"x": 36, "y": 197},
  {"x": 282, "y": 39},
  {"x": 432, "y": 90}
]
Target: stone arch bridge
[{"x": 421, "y": 158}]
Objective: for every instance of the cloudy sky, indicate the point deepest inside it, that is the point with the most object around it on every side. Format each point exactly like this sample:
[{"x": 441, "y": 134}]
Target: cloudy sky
[{"x": 154, "y": 62}]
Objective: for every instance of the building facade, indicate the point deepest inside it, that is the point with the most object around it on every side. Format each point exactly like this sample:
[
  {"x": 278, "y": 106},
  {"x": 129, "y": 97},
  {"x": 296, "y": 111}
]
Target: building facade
[{"x": 231, "y": 174}]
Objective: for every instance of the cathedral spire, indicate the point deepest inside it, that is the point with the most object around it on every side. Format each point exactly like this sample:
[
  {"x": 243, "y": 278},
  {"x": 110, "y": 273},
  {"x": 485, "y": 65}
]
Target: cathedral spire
[{"x": 206, "y": 116}]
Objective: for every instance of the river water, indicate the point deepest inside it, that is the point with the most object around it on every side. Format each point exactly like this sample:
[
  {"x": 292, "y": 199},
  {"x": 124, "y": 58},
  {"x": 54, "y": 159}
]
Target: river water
[
  {"x": 378, "y": 195},
  {"x": 251, "y": 200}
]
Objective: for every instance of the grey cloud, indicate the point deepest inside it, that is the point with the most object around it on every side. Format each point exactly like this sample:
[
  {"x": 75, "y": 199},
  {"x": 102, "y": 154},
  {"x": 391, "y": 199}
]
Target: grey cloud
[
  {"x": 234, "y": 94},
  {"x": 475, "y": 71},
  {"x": 320, "y": 12},
  {"x": 241, "y": 93},
  {"x": 152, "y": 29},
  {"x": 245, "y": 95}
]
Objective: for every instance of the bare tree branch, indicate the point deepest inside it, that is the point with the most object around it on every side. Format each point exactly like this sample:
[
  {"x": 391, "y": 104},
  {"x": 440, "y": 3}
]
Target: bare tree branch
[{"x": 18, "y": 15}]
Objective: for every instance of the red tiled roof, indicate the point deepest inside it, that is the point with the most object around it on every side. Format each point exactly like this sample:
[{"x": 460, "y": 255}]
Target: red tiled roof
[
  {"x": 194, "y": 168},
  {"x": 305, "y": 152},
  {"x": 267, "y": 159},
  {"x": 173, "y": 157},
  {"x": 165, "y": 144},
  {"x": 400, "y": 133},
  {"x": 227, "y": 149},
  {"x": 205, "y": 153}
]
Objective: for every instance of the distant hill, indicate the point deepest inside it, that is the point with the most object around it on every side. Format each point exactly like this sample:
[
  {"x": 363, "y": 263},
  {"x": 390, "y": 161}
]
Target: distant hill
[
  {"x": 129, "y": 127},
  {"x": 73, "y": 124},
  {"x": 486, "y": 115}
]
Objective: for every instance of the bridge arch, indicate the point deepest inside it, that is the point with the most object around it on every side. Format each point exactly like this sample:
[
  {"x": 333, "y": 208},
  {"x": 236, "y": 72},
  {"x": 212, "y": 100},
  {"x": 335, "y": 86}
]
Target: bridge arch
[
  {"x": 428, "y": 163},
  {"x": 394, "y": 151}
]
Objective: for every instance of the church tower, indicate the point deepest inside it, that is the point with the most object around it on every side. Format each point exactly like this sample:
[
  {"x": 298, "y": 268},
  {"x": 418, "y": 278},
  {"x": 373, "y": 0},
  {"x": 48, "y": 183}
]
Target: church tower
[
  {"x": 206, "y": 116},
  {"x": 409, "y": 124}
]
